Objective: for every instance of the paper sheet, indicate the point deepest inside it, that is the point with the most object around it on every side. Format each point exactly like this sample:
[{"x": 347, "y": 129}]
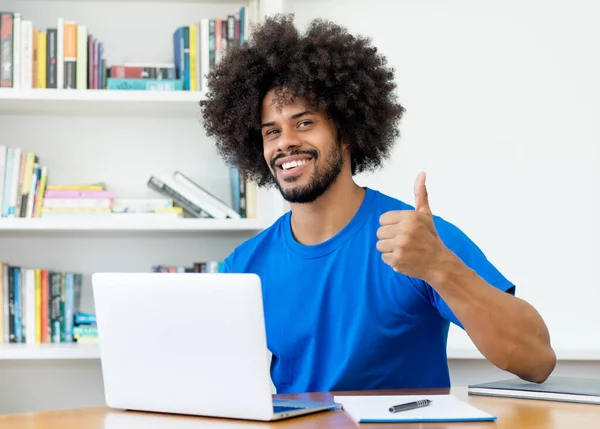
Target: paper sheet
[{"x": 443, "y": 408}]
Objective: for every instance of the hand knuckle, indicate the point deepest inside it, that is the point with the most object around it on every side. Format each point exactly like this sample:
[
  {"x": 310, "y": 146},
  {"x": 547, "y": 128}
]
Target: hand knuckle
[
  {"x": 400, "y": 241},
  {"x": 398, "y": 254}
]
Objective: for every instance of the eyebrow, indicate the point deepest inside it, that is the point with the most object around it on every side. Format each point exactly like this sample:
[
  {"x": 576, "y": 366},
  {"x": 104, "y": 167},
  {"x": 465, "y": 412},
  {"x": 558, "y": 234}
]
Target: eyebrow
[
  {"x": 294, "y": 116},
  {"x": 298, "y": 115}
]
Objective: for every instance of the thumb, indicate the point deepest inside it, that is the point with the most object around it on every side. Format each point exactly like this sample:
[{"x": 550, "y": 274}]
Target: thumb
[{"x": 421, "y": 198}]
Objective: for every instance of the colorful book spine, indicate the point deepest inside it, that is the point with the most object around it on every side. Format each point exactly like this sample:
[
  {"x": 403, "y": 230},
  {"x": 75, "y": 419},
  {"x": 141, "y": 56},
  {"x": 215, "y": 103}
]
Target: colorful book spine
[
  {"x": 60, "y": 53},
  {"x": 11, "y": 305},
  {"x": 26, "y": 54},
  {"x": 45, "y": 307},
  {"x": 78, "y": 194},
  {"x": 100, "y": 55},
  {"x": 55, "y": 307},
  {"x": 145, "y": 84},
  {"x": 69, "y": 307},
  {"x": 42, "y": 60},
  {"x": 81, "y": 57},
  {"x": 178, "y": 49},
  {"x": 6, "y": 49},
  {"x": 40, "y": 191},
  {"x": 143, "y": 71},
  {"x": 38, "y": 306},
  {"x": 16, "y": 71},
  {"x": 70, "y": 51},
  {"x": 51, "y": 58},
  {"x": 18, "y": 305},
  {"x": 192, "y": 57}
]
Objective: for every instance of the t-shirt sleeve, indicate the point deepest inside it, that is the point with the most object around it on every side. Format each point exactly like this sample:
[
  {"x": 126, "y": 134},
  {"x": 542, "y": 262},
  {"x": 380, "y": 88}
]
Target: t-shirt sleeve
[
  {"x": 457, "y": 241},
  {"x": 227, "y": 262}
]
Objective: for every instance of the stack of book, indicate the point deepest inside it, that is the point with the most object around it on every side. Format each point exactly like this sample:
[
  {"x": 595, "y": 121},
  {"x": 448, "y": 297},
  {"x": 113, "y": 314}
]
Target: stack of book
[
  {"x": 37, "y": 305},
  {"x": 22, "y": 183},
  {"x": 94, "y": 200},
  {"x": 144, "y": 76},
  {"x": 69, "y": 200}
]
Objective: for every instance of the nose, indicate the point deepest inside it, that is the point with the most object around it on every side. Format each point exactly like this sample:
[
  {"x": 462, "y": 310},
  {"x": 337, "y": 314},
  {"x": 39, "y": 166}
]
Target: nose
[{"x": 287, "y": 141}]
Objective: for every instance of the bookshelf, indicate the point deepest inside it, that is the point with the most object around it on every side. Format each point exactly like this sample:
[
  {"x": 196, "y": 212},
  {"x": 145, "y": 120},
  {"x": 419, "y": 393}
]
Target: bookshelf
[
  {"x": 175, "y": 104},
  {"x": 49, "y": 351},
  {"x": 120, "y": 138},
  {"x": 142, "y": 1},
  {"x": 118, "y": 223},
  {"x": 92, "y": 351}
]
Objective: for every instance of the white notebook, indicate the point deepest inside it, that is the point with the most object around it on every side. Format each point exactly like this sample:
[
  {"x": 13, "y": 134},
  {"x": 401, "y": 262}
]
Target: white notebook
[{"x": 443, "y": 408}]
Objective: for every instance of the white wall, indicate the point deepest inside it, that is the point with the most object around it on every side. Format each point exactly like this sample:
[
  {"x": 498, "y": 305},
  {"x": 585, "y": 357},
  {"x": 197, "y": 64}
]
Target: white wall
[{"x": 502, "y": 104}]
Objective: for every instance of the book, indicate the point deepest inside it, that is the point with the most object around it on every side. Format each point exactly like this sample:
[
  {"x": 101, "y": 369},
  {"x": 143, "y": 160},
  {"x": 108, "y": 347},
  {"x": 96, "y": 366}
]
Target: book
[
  {"x": 555, "y": 388},
  {"x": 114, "y": 83},
  {"x": 6, "y": 49},
  {"x": 178, "y": 194},
  {"x": 213, "y": 205},
  {"x": 443, "y": 408}
]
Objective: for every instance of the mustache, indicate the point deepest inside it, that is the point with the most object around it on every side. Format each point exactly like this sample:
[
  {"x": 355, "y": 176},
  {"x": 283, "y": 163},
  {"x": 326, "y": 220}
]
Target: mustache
[{"x": 312, "y": 153}]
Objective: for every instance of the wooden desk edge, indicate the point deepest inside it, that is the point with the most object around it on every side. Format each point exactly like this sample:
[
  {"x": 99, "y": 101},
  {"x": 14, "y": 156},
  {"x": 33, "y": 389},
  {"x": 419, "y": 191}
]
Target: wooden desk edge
[{"x": 510, "y": 412}]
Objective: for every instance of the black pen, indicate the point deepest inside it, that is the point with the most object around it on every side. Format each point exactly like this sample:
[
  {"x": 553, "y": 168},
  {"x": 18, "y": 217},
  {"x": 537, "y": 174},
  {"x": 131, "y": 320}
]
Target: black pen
[{"x": 410, "y": 406}]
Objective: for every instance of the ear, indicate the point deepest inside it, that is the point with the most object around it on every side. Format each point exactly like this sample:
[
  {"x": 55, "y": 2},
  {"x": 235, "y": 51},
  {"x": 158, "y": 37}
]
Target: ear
[{"x": 345, "y": 145}]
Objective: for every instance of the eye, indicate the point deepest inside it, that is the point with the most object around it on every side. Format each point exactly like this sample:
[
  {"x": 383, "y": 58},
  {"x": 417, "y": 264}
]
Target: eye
[
  {"x": 304, "y": 123},
  {"x": 271, "y": 132}
]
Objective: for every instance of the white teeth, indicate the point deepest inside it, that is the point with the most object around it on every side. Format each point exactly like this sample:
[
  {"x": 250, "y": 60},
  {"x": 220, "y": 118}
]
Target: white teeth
[{"x": 292, "y": 164}]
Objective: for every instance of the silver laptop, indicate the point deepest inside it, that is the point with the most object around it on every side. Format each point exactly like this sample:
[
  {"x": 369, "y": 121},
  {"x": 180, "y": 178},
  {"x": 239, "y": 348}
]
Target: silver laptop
[{"x": 188, "y": 343}]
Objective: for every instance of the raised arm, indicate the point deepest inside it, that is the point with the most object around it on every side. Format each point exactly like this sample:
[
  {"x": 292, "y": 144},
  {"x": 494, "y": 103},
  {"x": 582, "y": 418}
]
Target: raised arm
[{"x": 508, "y": 331}]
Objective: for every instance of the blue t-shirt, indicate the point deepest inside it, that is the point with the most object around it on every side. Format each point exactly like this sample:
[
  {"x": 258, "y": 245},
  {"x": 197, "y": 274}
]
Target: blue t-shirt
[{"x": 338, "y": 318}]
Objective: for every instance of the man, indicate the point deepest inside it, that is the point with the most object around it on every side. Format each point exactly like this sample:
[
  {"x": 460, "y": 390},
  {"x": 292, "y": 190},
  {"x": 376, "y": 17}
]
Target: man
[{"x": 359, "y": 288}]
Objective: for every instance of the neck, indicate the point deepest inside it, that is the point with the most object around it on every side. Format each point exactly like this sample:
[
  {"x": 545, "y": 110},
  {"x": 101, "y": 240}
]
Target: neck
[{"x": 316, "y": 222}]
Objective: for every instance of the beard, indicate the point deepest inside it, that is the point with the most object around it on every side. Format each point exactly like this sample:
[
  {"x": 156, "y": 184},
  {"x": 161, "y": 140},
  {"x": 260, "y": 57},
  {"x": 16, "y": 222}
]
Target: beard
[{"x": 320, "y": 181}]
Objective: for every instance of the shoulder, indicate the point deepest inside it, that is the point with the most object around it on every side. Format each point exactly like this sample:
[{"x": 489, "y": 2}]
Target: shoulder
[
  {"x": 261, "y": 243},
  {"x": 385, "y": 202}
]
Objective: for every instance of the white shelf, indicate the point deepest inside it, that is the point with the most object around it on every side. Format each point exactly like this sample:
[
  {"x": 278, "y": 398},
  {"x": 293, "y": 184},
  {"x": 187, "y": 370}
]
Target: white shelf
[
  {"x": 49, "y": 351},
  {"x": 120, "y": 223},
  {"x": 92, "y": 351},
  {"x": 89, "y": 102},
  {"x": 149, "y": 1}
]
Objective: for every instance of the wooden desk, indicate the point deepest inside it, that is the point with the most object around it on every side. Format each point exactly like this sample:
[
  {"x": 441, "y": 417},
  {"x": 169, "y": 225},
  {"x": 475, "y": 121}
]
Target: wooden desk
[{"x": 512, "y": 413}]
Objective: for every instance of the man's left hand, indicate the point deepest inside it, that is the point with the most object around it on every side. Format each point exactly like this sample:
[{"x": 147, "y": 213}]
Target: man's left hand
[{"x": 408, "y": 240}]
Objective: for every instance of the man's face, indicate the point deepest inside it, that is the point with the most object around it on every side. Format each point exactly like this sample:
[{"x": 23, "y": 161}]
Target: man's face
[{"x": 301, "y": 148}]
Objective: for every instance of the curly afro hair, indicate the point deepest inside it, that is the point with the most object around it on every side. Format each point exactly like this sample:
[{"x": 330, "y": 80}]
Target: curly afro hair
[{"x": 330, "y": 68}]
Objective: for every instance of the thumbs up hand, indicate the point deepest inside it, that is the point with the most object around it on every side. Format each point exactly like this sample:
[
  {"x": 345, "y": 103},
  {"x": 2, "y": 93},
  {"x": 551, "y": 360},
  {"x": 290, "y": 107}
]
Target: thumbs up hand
[{"x": 408, "y": 240}]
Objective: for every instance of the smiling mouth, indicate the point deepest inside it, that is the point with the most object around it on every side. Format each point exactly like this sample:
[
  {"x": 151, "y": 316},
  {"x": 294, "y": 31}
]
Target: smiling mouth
[{"x": 290, "y": 165}]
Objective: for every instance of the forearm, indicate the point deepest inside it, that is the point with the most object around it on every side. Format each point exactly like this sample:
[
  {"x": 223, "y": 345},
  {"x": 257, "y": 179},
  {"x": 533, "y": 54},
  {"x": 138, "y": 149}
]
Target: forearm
[{"x": 508, "y": 331}]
